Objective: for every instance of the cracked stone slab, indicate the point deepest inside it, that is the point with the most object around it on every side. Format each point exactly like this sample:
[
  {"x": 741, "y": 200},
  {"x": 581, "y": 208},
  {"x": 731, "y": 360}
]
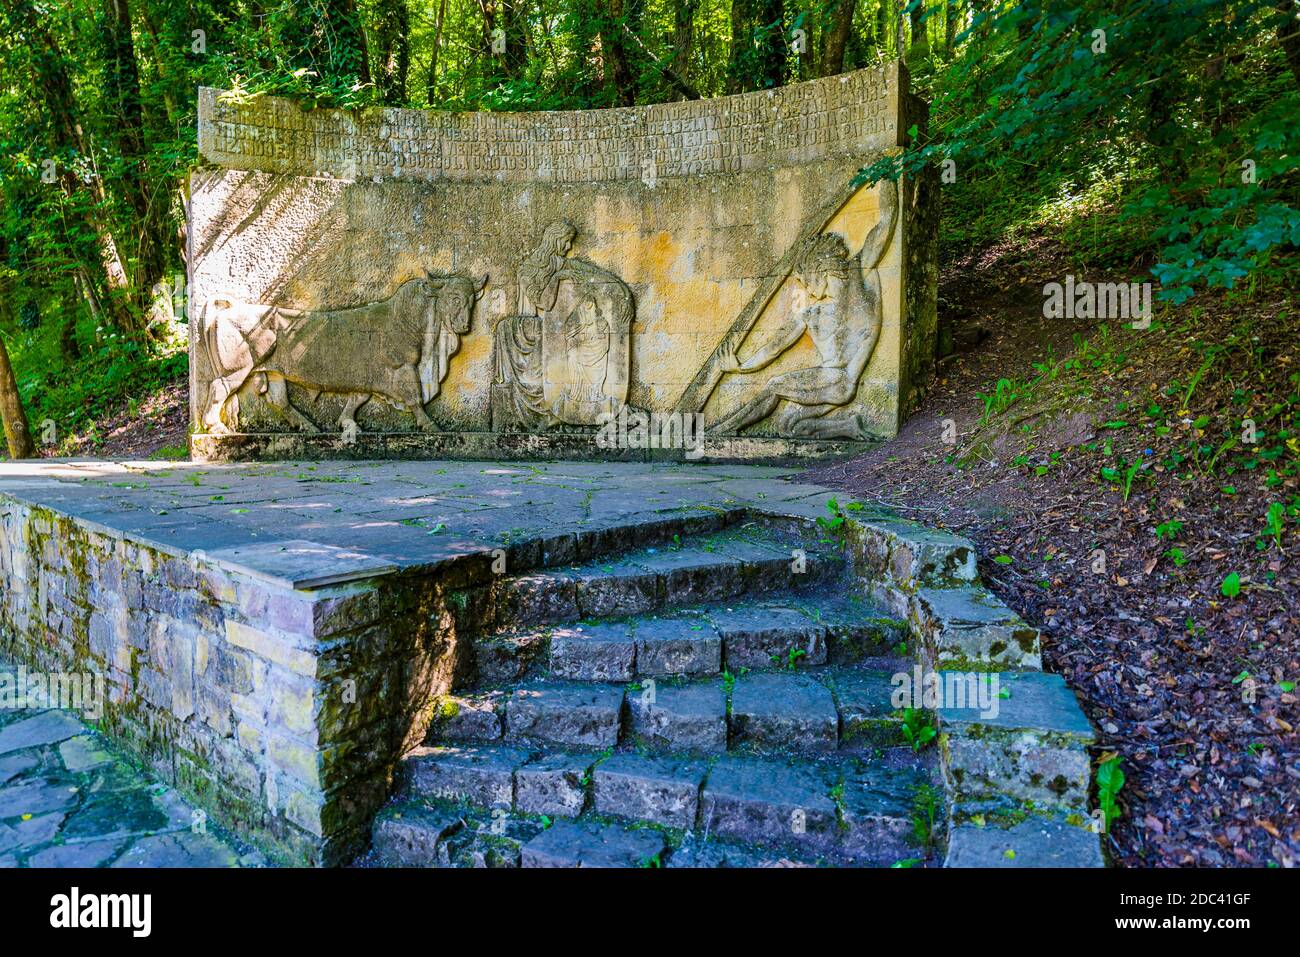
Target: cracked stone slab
[
  {"x": 590, "y": 844},
  {"x": 409, "y": 835},
  {"x": 688, "y": 576},
  {"x": 554, "y": 785},
  {"x": 780, "y": 710},
  {"x": 300, "y": 565},
  {"x": 483, "y": 775},
  {"x": 970, "y": 627},
  {"x": 867, "y": 715},
  {"x": 184, "y": 849},
  {"x": 568, "y": 713},
  {"x": 759, "y": 801},
  {"x": 615, "y": 589},
  {"x": 1034, "y": 749},
  {"x": 659, "y": 790}
]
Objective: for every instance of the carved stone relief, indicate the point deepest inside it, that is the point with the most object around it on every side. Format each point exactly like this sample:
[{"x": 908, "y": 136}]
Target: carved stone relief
[
  {"x": 398, "y": 349},
  {"x": 837, "y": 304},
  {"x": 564, "y": 358}
]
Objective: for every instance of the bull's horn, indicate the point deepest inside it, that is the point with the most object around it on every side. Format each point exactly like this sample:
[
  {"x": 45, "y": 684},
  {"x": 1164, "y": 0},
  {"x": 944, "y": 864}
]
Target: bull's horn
[{"x": 479, "y": 286}]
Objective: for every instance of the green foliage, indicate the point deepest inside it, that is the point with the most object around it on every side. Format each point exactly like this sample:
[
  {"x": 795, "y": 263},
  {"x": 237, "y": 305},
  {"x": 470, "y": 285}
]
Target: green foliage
[
  {"x": 1179, "y": 115},
  {"x": 1110, "y": 780},
  {"x": 919, "y": 727}
]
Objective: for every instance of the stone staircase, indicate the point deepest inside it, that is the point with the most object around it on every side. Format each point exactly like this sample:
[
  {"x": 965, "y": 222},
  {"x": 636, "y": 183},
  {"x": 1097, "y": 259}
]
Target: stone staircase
[{"x": 719, "y": 699}]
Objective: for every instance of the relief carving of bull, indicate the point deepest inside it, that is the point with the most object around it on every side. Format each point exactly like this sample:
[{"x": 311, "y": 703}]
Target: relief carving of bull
[{"x": 398, "y": 349}]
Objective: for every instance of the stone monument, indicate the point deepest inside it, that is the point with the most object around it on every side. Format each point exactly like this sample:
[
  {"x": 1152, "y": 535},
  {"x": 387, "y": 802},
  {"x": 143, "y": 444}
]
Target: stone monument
[{"x": 417, "y": 283}]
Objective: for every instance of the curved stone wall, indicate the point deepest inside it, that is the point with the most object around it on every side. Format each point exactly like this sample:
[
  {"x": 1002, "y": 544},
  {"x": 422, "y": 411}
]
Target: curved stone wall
[{"x": 405, "y": 282}]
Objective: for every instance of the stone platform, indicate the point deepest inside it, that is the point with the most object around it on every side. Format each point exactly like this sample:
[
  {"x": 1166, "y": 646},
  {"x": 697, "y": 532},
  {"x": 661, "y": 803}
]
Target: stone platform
[{"x": 280, "y": 642}]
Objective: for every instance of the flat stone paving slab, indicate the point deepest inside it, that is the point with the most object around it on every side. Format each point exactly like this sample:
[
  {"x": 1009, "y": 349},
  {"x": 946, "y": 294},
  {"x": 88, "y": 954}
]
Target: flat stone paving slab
[
  {"x": 768, "y": 801},
  {"x": 327, "y": 502},
  {"x": 1031, "y": 843},
  {"x": 68, "y": 800},
  {"x": 481, "y": 774},
  {"x": 591, "y": 844},
  {"x": 755, "y": 636},
  {"x": 300, "y": 564}
]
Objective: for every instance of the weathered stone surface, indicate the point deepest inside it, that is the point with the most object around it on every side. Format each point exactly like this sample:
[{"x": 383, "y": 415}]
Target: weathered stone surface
[
  {"x": 484, "y": 775},
  {"x": 565, "y": 713},
  {"x": 47, "y": 727},
  {"x": 83, "y": 854},
  {"x": 879, "y": 812},
  {"x": 593, "y": 652},
  {"x": 690, "y": 717},
  {"x": 612, "y": 590},
  {"x": 297, "y": 564},
  {"x": 83, "y": 752},
  {"x": 660, "y": 790},
  {"x": 1034, "y": 748},
  {"x": 492, "y": 841},
  {"x": 783, "y": 710},
  {"x": 508, "y": 657},
  {"x": 409, "y": 835},
  {"x": 185, "y": 849},
  {"x": 470, "y": 718},
  {"x": 689, "y": 576},
  {"x": 867, "y": 715},
  {"x": 970, "y": 628},
  {"x": 538, "y": 598},
  {"x": 677, "y": 646},
  {"x": 719, "y": 854},
  {"x": 757, "y": 637},
  {"x": 554, "y": 785},
  {"x": 768, "y": 801},
  {"x": 1033, "y": 842},
  {"x": 588, "y": 844}
]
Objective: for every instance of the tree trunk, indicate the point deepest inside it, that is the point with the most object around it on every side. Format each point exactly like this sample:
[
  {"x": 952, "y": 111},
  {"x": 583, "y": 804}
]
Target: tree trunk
[
  {"x": 51, "y": 83},
  {"x": 122, "y": 90},
  {"x": 950, "y": 14},
  {"x": 431, "y": 82},
  {"x": 622, "y": 18},
  {"x": 392, "y": 50},
  {"x": 1288, "y": 35},
  {"x": 837, "y": 38},
  {"x": 18, "y": 434},
  {"x": 920, "y": 35},
  {"x": 684, "y": 37}
]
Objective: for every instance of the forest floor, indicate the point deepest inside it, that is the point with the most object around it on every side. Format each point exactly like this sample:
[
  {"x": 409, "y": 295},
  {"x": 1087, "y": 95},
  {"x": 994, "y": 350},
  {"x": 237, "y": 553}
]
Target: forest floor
[{"x": 1172, "y": 609}]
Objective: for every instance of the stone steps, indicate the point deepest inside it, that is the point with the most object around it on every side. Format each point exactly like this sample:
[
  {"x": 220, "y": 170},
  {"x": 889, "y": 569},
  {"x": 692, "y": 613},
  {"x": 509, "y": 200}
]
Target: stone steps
[
  {"x": 564, "y": 809},
  {"x": 701, "y": 569},
  {"x": 810, "y": 710},
  {"x": 717, "y": 702},
  {"x": 758, "y": 633}
]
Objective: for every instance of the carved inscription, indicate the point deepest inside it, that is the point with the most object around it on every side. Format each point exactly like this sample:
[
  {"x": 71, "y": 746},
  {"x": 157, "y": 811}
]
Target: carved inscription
[{"x": 835, "y": 116}]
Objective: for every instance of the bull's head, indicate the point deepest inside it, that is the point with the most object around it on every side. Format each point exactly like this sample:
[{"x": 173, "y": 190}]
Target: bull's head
[{"x": 453, "y": 299}]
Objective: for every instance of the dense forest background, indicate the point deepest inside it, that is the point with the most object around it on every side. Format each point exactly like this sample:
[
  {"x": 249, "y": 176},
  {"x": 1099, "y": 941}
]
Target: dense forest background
[{"x": 1157, "y": 138}]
